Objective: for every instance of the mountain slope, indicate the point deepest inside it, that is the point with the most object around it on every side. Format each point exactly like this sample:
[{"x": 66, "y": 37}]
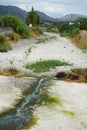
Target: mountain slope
[
  {"x": 72, "y": 17},
  {"x": 12, "y": 10},
  {"x": 44, "y": 17}
]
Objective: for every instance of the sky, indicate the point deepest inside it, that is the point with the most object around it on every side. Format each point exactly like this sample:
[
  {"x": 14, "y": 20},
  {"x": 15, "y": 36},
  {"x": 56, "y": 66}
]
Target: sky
[{"x": 53, "y": 8}]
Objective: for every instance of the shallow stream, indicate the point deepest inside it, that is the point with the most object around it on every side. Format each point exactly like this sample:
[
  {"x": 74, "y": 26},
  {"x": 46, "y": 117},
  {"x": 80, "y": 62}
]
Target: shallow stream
[{"x": 22, "y": 114}]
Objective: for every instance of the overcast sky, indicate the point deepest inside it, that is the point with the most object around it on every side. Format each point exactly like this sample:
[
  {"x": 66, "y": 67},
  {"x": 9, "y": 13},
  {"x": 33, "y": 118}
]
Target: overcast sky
[{"x": 54, "y": 8}]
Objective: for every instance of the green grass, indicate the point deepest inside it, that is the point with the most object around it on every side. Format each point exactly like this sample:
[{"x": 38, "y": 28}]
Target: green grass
[
  {"x": 4, "y": 48},
  {"x": 50, "y": 100},
  {"x": 70, "y": 113},
  {"x": 45, "y": 65}
]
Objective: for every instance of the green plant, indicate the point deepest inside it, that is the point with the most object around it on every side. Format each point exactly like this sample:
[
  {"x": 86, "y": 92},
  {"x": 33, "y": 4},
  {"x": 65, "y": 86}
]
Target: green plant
[
  {"x": 17, "y": 24},
  {"x": 2, "y": 39},
  {"x": 70, "y": 32},
  {"x": 45, "y": 65},
  {"x": 32, "y": 18},
  {"x": 70, "y": 113},
  {"x": 3, "y": 46}
]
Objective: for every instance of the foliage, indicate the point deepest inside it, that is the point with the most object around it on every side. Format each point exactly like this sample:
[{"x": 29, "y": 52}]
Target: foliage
[
  {"x": 42, "y": 66},
  {"x": 3, "y": 46},
  {"x": 63, "y": 26},
  {"x": 0, "y": 20},
  {"x": 83, "y": 24},
  {"x": 32, "y": 18},
  {"x": 71, "y": 32},
  {"x": 17, "y": 24},
  {"x": 66, "y": 29},
  {"x": 2, "y": 39}
]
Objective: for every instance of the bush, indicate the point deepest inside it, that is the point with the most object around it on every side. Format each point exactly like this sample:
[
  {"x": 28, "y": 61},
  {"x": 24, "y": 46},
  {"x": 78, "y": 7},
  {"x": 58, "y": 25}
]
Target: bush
[
  {"x": 74, "y": 32},
  {"x": 2, "y": 39},
  {"x": 83, "y": 24},
  {"x": 3, "y": 46},
  {"x": 71, "y": 32},
  {"x": 17, "y": 24}
]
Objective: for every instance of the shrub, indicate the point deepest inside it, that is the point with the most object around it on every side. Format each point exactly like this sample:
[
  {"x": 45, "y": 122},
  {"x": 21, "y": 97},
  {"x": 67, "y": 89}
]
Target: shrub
[
  {"x": 17, "y": 24},
  {"x": 2, "y": 39},
  {"x": 70, "y": 32},
  {"x": 74, "y": 32},
  {"x": 3, "y": 46}
]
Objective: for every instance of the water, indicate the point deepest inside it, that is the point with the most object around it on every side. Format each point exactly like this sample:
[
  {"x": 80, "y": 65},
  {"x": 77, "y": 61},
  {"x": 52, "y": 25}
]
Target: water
[{"x": 22, "y": 114}]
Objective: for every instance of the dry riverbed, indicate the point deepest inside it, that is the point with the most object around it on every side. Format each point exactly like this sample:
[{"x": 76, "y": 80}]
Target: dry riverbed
[{"x": 71, "y": 112}]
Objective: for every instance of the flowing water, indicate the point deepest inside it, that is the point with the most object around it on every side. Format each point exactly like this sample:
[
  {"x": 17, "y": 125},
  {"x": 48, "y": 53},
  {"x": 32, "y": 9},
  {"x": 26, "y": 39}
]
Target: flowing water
[{"x": 22, "y": 114}]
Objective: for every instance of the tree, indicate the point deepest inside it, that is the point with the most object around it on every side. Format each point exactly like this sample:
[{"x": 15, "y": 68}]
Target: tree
[
  {"x": 32, "y": 18},
  {"x": 83, "y": 24}
]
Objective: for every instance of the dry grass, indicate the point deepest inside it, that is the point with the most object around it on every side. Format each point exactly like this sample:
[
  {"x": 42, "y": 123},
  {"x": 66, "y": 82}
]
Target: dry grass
[
  {"x": 79, "y": 42},
  {"x": 8, "y": 40},
  {"x": 13, "y": 72},
  {"x": 84, "y": 31},
  {"x": 12, "y": 38}
]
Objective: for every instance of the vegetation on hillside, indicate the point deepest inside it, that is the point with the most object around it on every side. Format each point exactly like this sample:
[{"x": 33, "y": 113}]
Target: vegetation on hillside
[
  {"x": 68, "y": 30},
  {"x": 16, "y": 23},
  {"x": 73, "y": 31}
]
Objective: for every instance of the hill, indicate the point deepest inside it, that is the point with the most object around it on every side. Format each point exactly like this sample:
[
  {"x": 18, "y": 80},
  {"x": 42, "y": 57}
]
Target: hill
[
  {"x": 44, "y": 17},
  {"x": 13, "y": 10},
  {"x": 72, "y": 17}
]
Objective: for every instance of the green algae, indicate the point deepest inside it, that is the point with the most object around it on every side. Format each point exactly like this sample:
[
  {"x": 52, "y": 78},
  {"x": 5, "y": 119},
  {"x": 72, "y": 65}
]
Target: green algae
[{"x": 69, "y": 113}]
